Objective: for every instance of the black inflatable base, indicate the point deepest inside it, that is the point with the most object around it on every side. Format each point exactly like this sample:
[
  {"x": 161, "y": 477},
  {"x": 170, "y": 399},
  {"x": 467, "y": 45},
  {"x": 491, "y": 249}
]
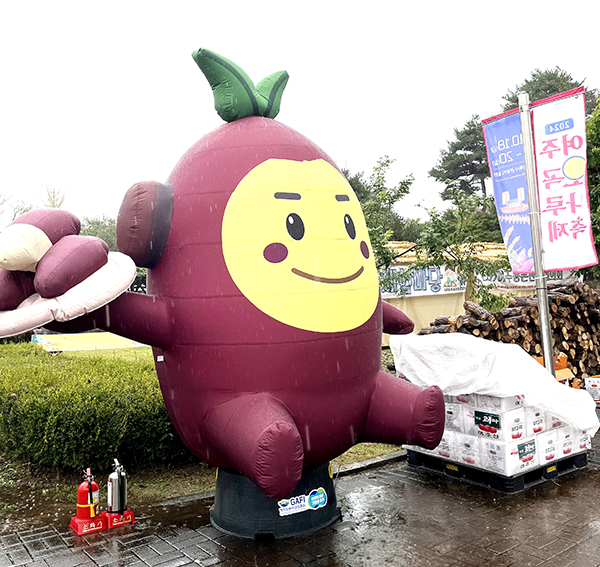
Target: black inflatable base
[{"x": 241, "y": 509}]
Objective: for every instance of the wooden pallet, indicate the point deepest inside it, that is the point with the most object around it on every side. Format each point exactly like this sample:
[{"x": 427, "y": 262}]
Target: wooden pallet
[{"x": 496, "y": 481}]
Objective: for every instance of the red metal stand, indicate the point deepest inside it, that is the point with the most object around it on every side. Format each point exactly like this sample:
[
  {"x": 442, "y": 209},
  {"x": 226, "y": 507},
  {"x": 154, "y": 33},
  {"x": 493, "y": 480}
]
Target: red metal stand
[
  {"x": 114, "y": 520},
  {"x": 83, "y": 526}
]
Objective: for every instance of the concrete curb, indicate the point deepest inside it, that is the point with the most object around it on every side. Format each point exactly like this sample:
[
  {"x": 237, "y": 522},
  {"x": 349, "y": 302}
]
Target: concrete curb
[
  {"x": 353, "y": 468},
  {"x": 344, "y": 470}
]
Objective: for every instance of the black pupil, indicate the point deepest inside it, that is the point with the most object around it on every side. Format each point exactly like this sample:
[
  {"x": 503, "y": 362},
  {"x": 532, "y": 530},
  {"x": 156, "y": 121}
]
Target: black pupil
[
  {"x": 295, "y": 226},
  {"x": 350, "y": 229}
]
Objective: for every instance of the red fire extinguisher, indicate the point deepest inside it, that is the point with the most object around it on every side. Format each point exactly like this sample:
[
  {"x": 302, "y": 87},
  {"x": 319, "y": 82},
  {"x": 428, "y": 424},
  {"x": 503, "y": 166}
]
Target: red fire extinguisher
[{"x": 87, "y": 519}]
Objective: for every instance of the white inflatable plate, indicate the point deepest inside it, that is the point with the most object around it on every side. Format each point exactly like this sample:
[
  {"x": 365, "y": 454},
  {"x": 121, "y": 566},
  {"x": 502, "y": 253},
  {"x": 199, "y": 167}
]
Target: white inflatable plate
[{"x": 104, "y": 285}]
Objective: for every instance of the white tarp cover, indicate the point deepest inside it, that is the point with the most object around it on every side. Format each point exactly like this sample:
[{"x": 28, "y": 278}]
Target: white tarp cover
[{"x": 463, "y": 364}]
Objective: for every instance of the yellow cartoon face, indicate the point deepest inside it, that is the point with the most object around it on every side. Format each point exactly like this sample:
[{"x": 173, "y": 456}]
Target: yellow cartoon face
[{"x": 296, "y": 245}]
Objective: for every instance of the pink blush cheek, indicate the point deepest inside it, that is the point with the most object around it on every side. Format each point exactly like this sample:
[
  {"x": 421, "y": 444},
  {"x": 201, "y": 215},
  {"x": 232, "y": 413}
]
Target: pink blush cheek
[
  {"x": 364, "y": 249},
  {"x": 275, "y": 253}
]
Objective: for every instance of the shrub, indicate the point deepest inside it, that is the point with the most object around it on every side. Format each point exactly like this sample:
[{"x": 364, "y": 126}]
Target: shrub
[
  {"x": 22, "y": 338},
  {"x": 77, "y": 412}
]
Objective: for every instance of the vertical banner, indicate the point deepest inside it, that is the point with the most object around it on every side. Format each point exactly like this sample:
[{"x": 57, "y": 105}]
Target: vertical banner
[
  {"x": 560, "y": 154},
  {"x": 504, "y": 144},
  {"x": 561, "y": 163}
]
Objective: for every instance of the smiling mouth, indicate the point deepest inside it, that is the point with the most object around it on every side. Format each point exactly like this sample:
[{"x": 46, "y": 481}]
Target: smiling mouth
[{"x": 328, "y": 280}]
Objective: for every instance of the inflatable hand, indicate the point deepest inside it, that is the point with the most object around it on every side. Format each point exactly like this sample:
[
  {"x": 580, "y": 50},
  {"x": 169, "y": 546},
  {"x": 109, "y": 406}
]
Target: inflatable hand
[
  {"x": 42, "y": 257},
  {"x": 41, "y": 251}
]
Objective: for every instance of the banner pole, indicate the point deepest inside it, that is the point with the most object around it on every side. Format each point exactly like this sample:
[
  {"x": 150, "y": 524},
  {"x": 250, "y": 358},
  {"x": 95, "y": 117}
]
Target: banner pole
[{"x": 536, "y": 234}]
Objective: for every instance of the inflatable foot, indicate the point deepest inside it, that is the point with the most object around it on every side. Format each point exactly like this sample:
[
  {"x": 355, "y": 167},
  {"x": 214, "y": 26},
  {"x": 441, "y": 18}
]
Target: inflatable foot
[
  {"x": 428, "y": 411},
  {"x": 276, "y": 473},
  {"x": 402, "y": 412},
  {"x": 257, "y": 436}
]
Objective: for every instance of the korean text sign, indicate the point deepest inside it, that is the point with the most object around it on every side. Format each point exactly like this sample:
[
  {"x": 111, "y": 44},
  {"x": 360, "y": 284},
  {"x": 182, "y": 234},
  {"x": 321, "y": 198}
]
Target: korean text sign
[
  {"x": 442, "y": 280},
  {"x": 504, "y": 143},
  {"x": 560, "y": 154}
]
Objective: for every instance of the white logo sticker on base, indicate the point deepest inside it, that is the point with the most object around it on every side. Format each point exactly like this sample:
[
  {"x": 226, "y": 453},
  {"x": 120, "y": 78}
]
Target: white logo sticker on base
[{"x": 296, "y": 504}]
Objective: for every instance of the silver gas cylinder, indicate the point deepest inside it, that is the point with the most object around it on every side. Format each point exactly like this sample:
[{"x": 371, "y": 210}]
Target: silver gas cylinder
[{"x": 117, "y": 490}]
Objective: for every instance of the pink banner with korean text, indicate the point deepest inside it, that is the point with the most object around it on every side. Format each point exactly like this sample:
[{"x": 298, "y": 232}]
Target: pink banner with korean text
[
  {"x": 560, "y": 153},
  {"x": 561, "y": 166}
]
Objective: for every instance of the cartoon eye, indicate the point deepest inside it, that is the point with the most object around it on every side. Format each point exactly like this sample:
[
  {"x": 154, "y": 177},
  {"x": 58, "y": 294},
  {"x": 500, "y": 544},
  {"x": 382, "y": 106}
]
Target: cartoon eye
[
  {"x": 295, "y": 226},
  {"x": 350, "y": 229}
]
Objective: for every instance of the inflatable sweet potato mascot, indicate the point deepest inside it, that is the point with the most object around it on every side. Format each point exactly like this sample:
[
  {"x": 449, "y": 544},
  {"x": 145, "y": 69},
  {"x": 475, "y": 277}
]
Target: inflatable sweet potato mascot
[{"x": 263, "y": 306}]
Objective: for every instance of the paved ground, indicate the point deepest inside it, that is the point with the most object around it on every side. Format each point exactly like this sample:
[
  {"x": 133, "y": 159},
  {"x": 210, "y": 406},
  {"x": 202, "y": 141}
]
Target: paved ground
[{"x": 395, "y": 515}]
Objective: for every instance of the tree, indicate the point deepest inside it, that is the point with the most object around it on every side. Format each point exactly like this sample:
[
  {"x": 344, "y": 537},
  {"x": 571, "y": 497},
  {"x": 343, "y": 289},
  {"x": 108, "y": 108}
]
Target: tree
[
  {"x": 10, "y": 209},
  {"x": 464, "y": 161},
  {"x": 593, "y": 174},
  {"x": 54, "y": 198},
  {"x": 458, "y": 248},
  {"x": 377, "y": 201},
  {"x": 103, "y": 227},
  {"x": 405, "y": 229},
  {"x": 482, "y": 223},
  {"x": 4, "y": 209},
  {"x": 139, "y": 283},
  {"x": 593, "y": 155},
  {"x": 543, "y": 84}
]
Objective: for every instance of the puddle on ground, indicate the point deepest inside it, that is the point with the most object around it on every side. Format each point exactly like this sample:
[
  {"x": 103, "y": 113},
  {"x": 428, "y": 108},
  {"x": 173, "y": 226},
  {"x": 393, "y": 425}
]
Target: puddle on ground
[{"x": 22, "y": 507}]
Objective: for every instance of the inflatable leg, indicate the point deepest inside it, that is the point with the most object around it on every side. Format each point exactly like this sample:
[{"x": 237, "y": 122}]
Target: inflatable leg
[
  {"x": 401, "y": 412},
  {"x": 259, "y": 438}
]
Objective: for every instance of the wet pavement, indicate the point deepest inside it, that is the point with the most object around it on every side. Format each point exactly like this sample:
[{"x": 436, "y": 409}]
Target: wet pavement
[{"x": 396, "y": 515}]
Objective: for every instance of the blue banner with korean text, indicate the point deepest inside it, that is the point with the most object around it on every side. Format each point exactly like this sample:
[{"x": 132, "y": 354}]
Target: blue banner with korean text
[
  {"x": 561, "y": 169},
  {"x": 504, "y": 144}
]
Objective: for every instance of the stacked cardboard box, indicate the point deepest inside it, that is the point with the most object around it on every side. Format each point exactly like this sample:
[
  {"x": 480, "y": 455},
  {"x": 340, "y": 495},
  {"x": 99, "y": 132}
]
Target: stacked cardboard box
[
  {"x": 503, "y": 436},
  {"x": 592, "y": 385}
]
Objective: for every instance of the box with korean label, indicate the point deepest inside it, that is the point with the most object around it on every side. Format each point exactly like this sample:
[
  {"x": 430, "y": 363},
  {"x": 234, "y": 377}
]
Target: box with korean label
[
  {"x": 511, "y": 458},
  {"x": 566, "y": 441},
  {"x": 507, "y": 426},
  {"x": 535, "y": 421},
  {"x": 466, "y": 399},
  {"x": 454, "y": 417},
  {"x": 583, "y": 440},
  {"x": 553, "y": 422},
  {"x": 468, "y": 450},
  {"x": 592, "y": 386},
  {"x": 500, "y": 405},
  {"x": 547, "y": 446},
  {"x": 447, "y": 447}
]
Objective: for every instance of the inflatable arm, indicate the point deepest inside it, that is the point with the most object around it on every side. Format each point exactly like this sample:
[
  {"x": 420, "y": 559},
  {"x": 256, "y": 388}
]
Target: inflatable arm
[
  {"x": 394, "y": 321},
  {"x": 143, "y": 227},
  {"x": 141, "y": 318}
]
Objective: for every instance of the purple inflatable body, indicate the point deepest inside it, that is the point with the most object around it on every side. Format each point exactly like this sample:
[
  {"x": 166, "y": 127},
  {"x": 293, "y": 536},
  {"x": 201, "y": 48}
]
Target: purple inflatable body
[{"x": 263, "y": 306}]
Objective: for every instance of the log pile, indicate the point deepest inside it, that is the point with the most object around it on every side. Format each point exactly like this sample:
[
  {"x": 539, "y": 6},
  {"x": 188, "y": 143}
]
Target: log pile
[{"x": 574, "y": 318}]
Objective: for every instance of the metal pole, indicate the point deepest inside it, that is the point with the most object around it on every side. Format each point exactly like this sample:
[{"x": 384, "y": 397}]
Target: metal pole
[{"x": 536, "y": 233}]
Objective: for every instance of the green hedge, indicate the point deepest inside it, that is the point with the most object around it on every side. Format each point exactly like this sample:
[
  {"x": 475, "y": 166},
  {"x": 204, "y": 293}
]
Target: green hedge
[{"x": 72, "y": 413}]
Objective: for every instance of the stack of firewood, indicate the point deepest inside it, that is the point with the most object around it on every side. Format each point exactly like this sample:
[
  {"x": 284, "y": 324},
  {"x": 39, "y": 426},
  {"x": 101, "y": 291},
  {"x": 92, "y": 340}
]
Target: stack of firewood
[{"x": 574, "y": 318}]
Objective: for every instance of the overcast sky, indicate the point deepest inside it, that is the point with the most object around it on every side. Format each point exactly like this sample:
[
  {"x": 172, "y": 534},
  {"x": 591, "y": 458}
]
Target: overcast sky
[{"x": 97, "y": 96}]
